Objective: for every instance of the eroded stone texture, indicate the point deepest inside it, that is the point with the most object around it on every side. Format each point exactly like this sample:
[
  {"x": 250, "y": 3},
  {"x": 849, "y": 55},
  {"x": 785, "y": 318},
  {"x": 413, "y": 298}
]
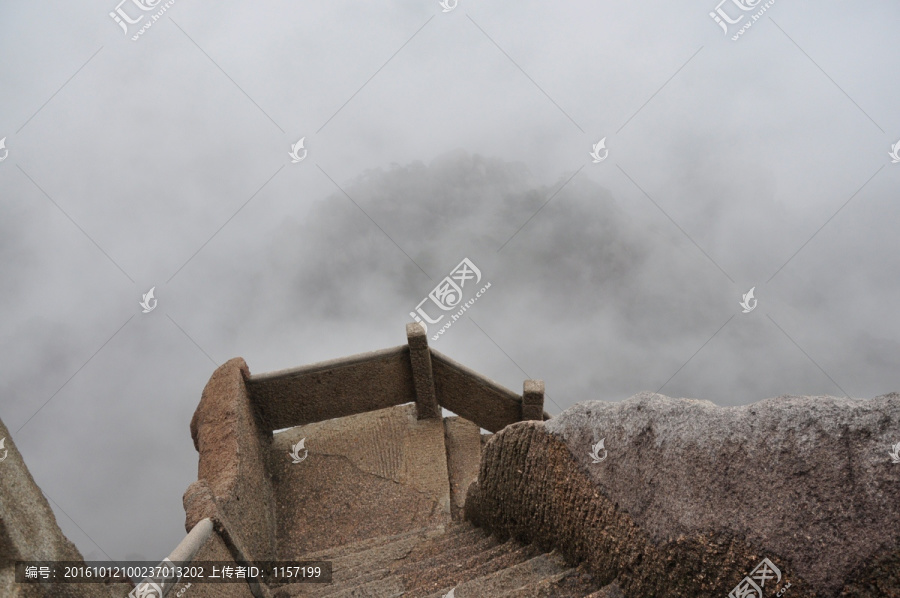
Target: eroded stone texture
[
  {"x": 29, "y": 532},
  {"x": 807, "y": 478},
  {"x": 366, "y": 475},
  {"x": 533, "y": 400},
  {"x": 423, "y": 377},
  {"x": 331, "y": 389},
  {"x": 463, "y": 444},
  {"x": 233, "y": 465},
  {"x": 472, "y": 396},
  {"x": 691, "y": 496},
  {"x": 531, "y": 488}
]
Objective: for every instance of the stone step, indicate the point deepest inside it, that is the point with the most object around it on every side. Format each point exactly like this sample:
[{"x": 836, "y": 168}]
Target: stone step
[
  {"x": 427, "y": 554},
  {"x": 379, "y": 560},
  {"x": 571, "y": 583},
  {"x": 424, "y": 582},
  {"x": 337, "y": 552},
  {"x": 383, "y": 555},
  {"x": 374, "y": 560},
  {"x": 389, "y": 587},
  {"x": 502, "y": 583},
  {"x": 369, "y": 559},
  {"x": 458, "y": 535},
  {"x": 458, "y": 554},
  {"x": 431, "y": 562}
]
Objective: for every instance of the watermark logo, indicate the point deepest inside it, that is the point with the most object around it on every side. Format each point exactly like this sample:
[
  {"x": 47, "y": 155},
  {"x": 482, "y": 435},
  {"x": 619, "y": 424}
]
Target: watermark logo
[
  {"x": 595, "y": 451},
  {"x": 725, "y": 20},
  {"x": 6, "y": 151},
  {"x": 146, "y": 302},
  {"x": 6, "y": 450},
  {"x": 295, "y": 451},
  {"x": 749, "y": 302},
  {"x": 158, "y": 585},
  {"x": 752, "y": 585},
  {"x": 146, "y": 589},
  {"x": 598, "y": 147},
  {"x": 295, "y": 152},
  {"x": 448, "y": 294},
  {"x": 449, "y": 5},
  {"x": 894, "y": 153},
  {"x": 123, "y": 19},
  {"x": 895, "y": 452}
]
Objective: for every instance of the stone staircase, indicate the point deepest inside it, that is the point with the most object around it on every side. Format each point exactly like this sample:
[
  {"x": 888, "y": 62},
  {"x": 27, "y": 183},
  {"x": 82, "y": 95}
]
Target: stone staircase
[
  {"x": 353, "y": 461},
  {"x": 435, "y": 561},
  {"x": 380, "y": 495}
]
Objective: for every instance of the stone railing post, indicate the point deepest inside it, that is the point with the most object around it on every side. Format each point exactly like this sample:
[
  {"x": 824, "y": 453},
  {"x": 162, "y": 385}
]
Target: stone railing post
[
  {"x": 423, "y": 378},
  {"x": 533, "y": 400}
]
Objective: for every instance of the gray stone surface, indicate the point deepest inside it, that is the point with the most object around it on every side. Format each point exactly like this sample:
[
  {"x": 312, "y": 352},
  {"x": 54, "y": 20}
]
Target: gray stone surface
[
  {"x": 366, "y": 475},
  {"x": 533, "y": 400},
  {"x": 29, "y": 532},
  {"x": 423, "y": 377},
  {"x": 463, "y": 444},
  {"x": 473, "y": 396},
  {"x": 548, "y": 567},
  {"x": 331, "y": 389},
  {"x": 806, "y": 480},
  {"x": 429, "y": 563}
]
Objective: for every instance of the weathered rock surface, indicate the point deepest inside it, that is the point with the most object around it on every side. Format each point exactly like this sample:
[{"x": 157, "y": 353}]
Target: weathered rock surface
[
  {"x": 689, "y": 497},
  {"x": 233, "y": 486},
  {"x": 29, "y": 532},
  {"x": 361, "y": 476},
  {"x": 462, "y": 439},
  {"x": 430, "y": 562}
]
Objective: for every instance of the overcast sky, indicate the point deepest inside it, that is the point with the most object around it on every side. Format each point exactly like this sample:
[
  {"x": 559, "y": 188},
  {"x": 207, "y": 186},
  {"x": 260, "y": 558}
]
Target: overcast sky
[{"x": 431, "y": 137}]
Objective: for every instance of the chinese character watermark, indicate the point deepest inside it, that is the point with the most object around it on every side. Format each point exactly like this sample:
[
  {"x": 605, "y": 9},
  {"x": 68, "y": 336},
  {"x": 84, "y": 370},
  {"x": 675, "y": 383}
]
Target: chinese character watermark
[{"x": 448, "y": 295}]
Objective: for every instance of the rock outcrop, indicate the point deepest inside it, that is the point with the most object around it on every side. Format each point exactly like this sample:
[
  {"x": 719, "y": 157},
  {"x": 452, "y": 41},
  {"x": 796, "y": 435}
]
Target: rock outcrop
[
  {"x": 687, "y": 498},
  {"x": 29, "y": 532}
]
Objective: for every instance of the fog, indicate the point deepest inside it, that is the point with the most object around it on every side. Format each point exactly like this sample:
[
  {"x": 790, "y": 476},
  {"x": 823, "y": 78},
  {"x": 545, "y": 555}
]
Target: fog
[{"x": 431, "y": 137}]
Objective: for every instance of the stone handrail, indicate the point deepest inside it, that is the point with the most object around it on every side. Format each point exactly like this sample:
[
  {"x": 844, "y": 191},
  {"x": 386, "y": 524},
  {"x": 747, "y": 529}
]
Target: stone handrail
[
  {"x": 232, "y": 427},
  {"x": 385, "y": 378},
  {"x": 331, "y": 389}
]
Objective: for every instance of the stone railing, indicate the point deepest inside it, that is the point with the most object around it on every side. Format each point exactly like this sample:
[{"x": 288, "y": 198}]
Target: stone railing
[
  {"x": 380, "y": 379},
  {"x": 233, "y": 424}
]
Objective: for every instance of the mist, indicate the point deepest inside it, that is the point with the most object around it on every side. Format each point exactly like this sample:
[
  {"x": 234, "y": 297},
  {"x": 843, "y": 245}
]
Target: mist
[{"x": 431, "y": 137}]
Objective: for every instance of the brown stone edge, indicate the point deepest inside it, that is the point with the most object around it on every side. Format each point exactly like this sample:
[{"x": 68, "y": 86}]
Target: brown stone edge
[
  {"x": 232, "y": 433},
  {"x": 232, "y": 471},
  {"x": 531, "y": 488},
  {"x": 199, "y": 504},
  {"x": 385, "y": 378}
]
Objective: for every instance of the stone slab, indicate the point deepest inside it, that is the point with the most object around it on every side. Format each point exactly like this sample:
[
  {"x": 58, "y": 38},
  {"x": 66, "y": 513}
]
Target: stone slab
[
  {"x": 366, "y": 475},
  {"x": 463, "y": 442}
]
